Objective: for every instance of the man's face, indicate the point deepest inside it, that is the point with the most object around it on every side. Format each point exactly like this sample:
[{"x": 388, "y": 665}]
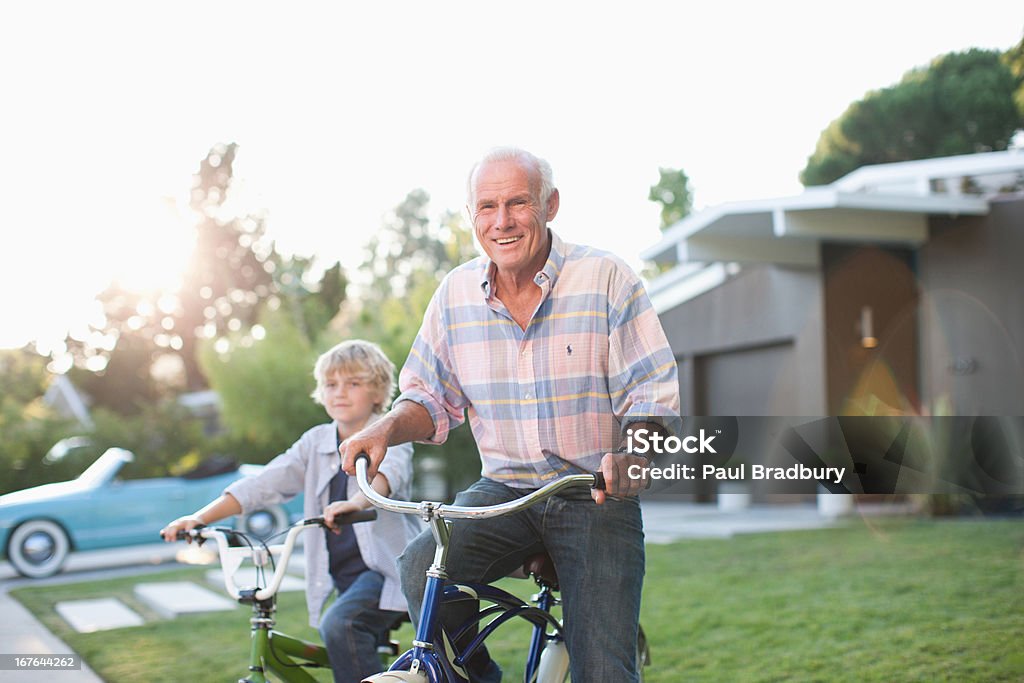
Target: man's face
[{"x": 508, "y": 218}]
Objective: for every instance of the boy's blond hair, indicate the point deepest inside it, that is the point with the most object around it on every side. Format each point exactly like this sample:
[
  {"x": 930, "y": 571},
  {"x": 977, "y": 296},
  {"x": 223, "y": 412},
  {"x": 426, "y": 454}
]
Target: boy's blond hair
[{"x": 357, "y": 358}]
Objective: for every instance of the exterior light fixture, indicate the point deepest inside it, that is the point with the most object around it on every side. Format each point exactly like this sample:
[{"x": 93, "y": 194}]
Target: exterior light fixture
[{"x": 867, "y": 328}]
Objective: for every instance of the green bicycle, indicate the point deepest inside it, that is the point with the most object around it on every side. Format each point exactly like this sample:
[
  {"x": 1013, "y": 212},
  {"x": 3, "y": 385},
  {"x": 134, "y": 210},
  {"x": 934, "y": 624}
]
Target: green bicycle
[{"x": 271, "y": 651}]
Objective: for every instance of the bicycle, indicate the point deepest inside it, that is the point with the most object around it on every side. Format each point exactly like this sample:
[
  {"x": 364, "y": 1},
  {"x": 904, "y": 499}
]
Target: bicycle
[
  {"x": 433, "y": 658},
  {"x": 272, "y": 651}
]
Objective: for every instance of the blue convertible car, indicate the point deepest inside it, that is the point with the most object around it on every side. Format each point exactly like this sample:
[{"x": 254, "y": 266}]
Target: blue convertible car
[{"x": 99, "y": 509}]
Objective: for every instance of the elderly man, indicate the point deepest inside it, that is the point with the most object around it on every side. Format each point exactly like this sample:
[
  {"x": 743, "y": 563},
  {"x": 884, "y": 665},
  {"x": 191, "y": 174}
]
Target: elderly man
[{"x": 553, "y": 349}]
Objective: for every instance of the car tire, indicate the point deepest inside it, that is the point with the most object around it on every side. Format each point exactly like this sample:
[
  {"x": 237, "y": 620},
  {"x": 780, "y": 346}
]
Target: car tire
[
  {"x": 38, "y": 548},
  {"x": 264, "y": 523}
]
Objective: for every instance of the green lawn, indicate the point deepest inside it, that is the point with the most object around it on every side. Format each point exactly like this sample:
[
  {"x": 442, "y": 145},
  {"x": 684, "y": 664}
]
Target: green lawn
[{"x": 893, "y": 601}]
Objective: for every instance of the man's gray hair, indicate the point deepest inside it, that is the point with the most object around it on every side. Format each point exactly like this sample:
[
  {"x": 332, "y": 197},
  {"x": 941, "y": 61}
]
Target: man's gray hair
[{"x": 524, "y": 158}]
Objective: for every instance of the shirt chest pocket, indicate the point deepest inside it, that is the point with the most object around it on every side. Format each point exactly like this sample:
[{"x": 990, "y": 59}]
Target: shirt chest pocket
[{"x": 579, "y": 366}]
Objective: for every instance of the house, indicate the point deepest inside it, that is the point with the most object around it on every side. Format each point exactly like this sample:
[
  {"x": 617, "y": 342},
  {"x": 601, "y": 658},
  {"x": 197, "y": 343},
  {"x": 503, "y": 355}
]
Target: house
[
  {"x": 67, "y": 401},
  {"x": 70, "y": 402},
  {"x": 899, "y": 288}
]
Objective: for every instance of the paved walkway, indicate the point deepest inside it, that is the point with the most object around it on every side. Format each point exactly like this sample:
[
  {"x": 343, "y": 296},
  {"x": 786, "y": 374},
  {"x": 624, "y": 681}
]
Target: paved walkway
[
  {"x": 21, "y": 633},
  {"x": 664, "y": 522},
  {"x": 667, "y": 522}
]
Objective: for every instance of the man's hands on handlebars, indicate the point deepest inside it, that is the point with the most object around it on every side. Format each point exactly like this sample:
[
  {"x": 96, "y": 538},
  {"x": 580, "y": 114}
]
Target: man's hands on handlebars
[
  {"x": 373, "y": 440},
  {"x": 406, "y": 421},
  {"x": 617, "y": 482}
]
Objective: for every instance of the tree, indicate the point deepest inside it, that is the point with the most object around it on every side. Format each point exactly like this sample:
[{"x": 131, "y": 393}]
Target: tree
[
  {"x": 28, "y": 425},
  {"x": 264, "y": 386},
  {"x": 229, "y": 271},
  {"x": 405, "y": 262},
  {"x": 409, "y": 243},
  {"x": 310, "y": 306},
  {"x": 961, "y": 103},
  {"x": 147, "y": 347},
  {"x": 674, "y": 194},
  {"x": 1014, "y": 60}
]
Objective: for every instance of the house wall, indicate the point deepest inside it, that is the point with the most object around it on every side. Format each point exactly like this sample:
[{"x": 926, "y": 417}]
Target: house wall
[
  {"x": 752, "y": 346},
  {"x": 972, "y": 312}
]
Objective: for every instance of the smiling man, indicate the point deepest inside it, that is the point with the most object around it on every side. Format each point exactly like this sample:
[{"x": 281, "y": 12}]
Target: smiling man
[{"x": 551, "y": 349}]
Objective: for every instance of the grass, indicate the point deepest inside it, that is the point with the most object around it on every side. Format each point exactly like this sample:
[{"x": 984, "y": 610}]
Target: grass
[{"x": 901, "y": 600}]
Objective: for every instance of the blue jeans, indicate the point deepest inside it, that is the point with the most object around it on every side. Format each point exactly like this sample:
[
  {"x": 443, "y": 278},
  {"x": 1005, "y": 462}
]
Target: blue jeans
[
  {"x": 598, "y": 551},
  {"x": 351, "y": 627}
]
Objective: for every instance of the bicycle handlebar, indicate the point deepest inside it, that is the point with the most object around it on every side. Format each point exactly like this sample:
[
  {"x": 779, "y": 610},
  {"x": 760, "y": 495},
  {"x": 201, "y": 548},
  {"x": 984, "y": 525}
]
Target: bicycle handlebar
[
  {"x": 231, "y": 557},
  {"x": 430, "y": 509}
]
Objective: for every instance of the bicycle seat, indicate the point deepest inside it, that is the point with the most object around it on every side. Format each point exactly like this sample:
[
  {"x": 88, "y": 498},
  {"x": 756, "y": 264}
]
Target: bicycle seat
[
  {"x": 541, "y": 567},
  {"x": 386, "y": 645},
  {"x": 402, "y": 618}
]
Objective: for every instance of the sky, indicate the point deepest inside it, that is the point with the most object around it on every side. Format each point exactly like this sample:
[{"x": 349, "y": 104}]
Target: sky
[{"x": 340, "y": 109}]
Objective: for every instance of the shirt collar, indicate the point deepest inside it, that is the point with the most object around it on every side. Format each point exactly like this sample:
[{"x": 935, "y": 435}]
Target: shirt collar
[
  {"x": 328, "y": 444},
  {"x": 548, "y": 274}
]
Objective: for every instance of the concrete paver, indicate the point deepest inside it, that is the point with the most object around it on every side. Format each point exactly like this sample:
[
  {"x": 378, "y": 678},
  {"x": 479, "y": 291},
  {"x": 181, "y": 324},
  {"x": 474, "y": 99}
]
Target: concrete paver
[
  {"x": 102, "y": 614},
  {"x": 172, "y": 598}
]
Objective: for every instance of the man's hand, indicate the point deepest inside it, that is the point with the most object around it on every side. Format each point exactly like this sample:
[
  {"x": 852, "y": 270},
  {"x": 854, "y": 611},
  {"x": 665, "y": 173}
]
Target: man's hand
[
  {"x": 373, "y": 441},
  {"x": 186, "y": 523},
  {"x": 337, "y": 509},
  {"x": 617, "y": 482}
]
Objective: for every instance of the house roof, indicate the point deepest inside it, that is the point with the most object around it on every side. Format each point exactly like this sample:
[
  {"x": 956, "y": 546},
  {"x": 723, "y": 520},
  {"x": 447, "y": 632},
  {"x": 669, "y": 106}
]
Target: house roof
[
  {"x": 883, "y": 204},
  {"x": 788, "y": 229},
  {"x": 65, "y": 398},
  {"x": 926, "y": 176}
]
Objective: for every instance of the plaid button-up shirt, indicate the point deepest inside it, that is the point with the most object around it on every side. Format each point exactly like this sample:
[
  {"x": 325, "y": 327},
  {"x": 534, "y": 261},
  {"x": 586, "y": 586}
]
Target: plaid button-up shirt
[{"x": 551, "y": 399}]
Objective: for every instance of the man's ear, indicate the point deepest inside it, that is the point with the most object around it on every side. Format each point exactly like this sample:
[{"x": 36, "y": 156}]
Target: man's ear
[{"x": 553, "y": 205}]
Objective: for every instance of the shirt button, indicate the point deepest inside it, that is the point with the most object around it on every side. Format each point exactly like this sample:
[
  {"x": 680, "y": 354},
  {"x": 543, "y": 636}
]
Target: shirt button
[{"x": 528, "y": 395}]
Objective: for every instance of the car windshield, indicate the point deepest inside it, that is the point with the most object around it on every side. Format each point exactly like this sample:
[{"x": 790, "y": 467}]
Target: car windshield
[{"x": 107, "y": 463}]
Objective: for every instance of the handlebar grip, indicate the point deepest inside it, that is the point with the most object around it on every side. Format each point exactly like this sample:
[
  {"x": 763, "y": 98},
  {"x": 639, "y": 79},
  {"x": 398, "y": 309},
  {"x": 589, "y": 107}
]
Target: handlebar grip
[
  {"x": 184, "y": 535},
  {"x": 357, "y": 516},
  {"x": 347, "y": 518},
  {"x": 598, "y": 481}
]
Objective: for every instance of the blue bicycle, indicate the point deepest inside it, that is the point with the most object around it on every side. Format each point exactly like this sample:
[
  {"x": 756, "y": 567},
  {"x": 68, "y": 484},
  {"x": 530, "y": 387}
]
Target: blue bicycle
[{"x": 434, "y": 658}]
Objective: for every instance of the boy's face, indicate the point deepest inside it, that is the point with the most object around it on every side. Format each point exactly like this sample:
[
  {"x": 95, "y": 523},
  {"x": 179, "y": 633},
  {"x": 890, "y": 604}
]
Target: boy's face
[{"x": 350, "y": 398}]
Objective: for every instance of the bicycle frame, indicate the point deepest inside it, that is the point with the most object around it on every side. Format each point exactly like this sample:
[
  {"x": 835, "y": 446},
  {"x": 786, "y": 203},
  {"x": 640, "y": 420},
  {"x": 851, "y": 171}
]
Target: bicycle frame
[
  {"x": 433, "y": 657},
  {"x": 270, "y": 650}
]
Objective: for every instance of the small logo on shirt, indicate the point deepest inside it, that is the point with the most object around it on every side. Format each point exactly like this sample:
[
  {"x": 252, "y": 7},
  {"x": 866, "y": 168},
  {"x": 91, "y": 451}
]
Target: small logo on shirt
[{"x": 568, "y": 349}]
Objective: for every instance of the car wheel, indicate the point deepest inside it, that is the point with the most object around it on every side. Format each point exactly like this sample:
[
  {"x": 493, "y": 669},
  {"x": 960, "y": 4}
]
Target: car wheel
[
  {"x": 38, "y": 548},
  {"x": 263, "y": 524}
]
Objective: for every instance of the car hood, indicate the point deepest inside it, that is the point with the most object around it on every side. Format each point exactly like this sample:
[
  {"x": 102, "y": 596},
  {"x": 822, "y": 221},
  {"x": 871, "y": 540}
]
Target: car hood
[{"x": 44, "y": 492}]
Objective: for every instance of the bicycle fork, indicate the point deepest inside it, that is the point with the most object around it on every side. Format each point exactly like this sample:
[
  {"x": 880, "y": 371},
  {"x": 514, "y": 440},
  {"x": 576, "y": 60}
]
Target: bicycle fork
[
  {"x": 274, "y": 652},
  {"x": 259, "y": 643}
]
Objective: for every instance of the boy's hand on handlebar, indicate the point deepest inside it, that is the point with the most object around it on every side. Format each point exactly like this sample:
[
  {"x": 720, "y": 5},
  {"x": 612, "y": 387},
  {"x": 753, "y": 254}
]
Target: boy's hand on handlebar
[
  {"x": 617, "y": 482},
  {"x": 337, "y": 509},
  {"x": 186, "y": 523}
]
